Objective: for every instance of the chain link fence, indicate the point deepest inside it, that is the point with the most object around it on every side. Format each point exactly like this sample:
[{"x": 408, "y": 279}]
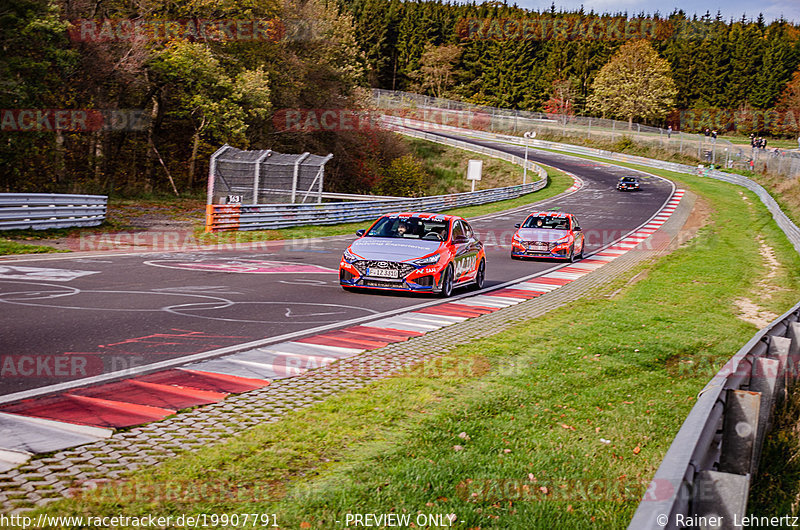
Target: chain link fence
[
  {"x": 706, "y": 149},
  {"x": 265, "y": 177}
]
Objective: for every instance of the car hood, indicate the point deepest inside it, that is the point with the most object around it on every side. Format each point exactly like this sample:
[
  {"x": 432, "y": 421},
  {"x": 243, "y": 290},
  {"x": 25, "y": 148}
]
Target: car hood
[
  {"x": 393, "y": 248},
  {"x": 541, "y": 234}
]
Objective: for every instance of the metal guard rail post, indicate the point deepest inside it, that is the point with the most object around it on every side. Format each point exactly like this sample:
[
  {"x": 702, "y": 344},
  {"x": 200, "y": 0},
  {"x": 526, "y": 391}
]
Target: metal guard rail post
[
  {"x": 709, "y": 465},
  {"x": 45, "y": 210}
]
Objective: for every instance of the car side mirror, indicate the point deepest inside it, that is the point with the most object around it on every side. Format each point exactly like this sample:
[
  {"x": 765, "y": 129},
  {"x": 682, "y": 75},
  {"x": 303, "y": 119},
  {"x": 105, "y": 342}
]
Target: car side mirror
[
  {"x": 460, "y": 240},
  {"x": 361, "y": 232},
  {"x": 577, "y": 229},
  {"x": 517, "y": 225}
]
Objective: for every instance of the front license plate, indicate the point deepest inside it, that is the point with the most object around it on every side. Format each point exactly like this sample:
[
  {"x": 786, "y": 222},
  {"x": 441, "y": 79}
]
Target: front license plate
[
  {"x": 538, "y": 248},
  {"x": 382, "y": 273}
]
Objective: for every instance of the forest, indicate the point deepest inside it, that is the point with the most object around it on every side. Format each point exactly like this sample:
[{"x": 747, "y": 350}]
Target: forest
[{"x": 128, "y": 98}]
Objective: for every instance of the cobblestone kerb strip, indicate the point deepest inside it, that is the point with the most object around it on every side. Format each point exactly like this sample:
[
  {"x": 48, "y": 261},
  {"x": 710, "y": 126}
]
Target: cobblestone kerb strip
[{"x": 46, "y": 479}]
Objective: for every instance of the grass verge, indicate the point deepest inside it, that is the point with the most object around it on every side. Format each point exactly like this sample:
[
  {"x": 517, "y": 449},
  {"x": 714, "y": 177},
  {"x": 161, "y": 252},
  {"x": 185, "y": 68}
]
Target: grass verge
[
  {"x": 10, "y": 246},
  {"x": 447, "y": 167},
  {"x": 563, "y": 425}
]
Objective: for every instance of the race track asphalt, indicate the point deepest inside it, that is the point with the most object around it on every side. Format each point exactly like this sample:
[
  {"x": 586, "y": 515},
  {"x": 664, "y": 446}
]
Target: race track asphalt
[{"x": 68, "y": 317}]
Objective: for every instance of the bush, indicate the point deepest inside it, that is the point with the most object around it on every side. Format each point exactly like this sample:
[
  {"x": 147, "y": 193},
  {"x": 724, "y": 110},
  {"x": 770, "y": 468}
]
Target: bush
[
  {"x": 624, "y": 144},
  {"x": 403, "y": 178}
]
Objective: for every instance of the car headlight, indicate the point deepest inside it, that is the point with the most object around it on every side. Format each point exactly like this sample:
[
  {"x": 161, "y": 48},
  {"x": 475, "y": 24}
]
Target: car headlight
[
  {"x": 348, "y": 256},
  {"x": 516, "y": 239},
  {"x": 430, "y": 260}
]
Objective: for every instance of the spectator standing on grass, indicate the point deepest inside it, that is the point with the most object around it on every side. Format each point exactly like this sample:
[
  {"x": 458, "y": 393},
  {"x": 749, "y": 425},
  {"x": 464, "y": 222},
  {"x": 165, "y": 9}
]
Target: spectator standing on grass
[
  {"x": 764, "y": 143},
  {"x": 707, "y": 132},
  {"x": 753, "y": 140},
  {"x": 714, "y": 134},
  {"x": 669, "y": 134}
]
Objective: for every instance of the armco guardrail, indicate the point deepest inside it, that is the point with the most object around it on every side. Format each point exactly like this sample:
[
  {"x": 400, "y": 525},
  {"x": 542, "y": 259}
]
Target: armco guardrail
[
  {"x": 226, "y": 217},
  {"x": 707, "y": 469},
  {"x": 45, "y": 210}
]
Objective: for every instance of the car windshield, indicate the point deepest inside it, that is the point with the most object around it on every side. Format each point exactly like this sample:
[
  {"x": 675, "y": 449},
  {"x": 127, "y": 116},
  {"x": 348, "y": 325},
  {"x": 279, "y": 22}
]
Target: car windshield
[
  {"x": 546, "y": 221},
  {"x": 628, "y": 179},
  {"x": 410, "y": 228}
]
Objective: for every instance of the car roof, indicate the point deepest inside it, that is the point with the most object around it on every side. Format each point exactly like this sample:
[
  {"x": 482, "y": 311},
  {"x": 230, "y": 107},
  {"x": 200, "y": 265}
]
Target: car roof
[
  {"x": 629, "y": 177},
  {"x": 424, "y": 215}
]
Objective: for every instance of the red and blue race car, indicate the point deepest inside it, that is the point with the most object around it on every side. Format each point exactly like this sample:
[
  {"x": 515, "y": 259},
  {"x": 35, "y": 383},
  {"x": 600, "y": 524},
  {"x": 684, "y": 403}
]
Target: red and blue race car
[
  {"x": 548, "y": 235},
  {"x": 411, "y": 251}
]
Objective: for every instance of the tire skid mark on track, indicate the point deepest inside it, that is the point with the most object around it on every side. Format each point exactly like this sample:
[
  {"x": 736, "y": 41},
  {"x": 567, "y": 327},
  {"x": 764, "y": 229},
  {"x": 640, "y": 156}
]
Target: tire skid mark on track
[{"x": 156, "y": 395}]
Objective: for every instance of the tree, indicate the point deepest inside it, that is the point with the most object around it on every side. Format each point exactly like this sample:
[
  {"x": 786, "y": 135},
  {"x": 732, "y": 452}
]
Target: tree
[
  {"x": 561, "y": 102},
  {"x": 790, "y": 97},
  {"x": 634, "y": 83},
  {"x": 435, "y": 74}
]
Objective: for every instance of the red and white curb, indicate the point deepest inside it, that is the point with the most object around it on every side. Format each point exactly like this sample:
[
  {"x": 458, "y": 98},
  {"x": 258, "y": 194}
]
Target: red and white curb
[
  {"x": 79, "y": 416},
  {"x": 576, "y": 184}
]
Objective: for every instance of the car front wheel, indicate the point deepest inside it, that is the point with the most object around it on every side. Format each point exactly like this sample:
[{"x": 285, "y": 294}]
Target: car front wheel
[
  {"x": 480, "y": 276},
  {"x": 447, "y": 282}
]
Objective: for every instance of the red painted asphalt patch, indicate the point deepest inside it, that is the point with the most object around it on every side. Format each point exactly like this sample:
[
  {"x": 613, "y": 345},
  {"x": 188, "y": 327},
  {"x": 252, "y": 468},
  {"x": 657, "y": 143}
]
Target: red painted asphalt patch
[
  {"x": 213, "y": 382},
  {"x": 88, "y": 411},
  {"x": 152, "y": 394}
]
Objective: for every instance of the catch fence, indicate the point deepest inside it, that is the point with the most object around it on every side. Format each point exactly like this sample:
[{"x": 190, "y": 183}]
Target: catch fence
[{"x": 718, "y": 151}]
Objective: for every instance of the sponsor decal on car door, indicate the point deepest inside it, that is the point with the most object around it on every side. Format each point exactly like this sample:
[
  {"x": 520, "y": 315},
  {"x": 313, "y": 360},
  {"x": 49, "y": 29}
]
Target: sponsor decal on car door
[{"x": 466, "y": 252}]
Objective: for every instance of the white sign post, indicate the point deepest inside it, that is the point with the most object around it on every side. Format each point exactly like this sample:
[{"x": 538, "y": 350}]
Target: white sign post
[
  {"x": 528, "y": 135},
  {"x": 474, "y": 171}
]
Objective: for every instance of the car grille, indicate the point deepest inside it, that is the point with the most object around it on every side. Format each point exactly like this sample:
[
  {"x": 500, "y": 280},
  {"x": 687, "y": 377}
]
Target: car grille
[
  {"x": 380, "y": 283},
  {"x": 404, "y": 268},
  {"x": 547, "y": 245}
]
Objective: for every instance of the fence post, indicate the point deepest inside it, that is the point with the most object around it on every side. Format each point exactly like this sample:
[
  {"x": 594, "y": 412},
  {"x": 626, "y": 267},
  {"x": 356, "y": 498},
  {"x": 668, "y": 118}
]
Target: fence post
[
  {"x": 257, "y": 177},
  {"x": 212, "y": 170},
  {"x": 296, "y": 173}
]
